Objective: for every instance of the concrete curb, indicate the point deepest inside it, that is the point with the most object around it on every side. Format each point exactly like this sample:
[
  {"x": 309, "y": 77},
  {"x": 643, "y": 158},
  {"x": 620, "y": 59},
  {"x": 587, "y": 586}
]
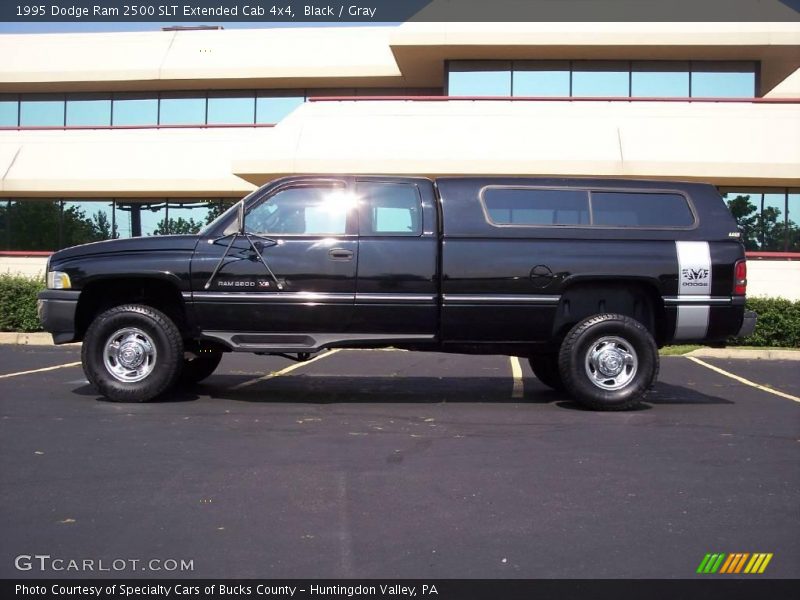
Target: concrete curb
[
  {"x": 745, "y": 353},
  {"x": 26, "y": 339}
]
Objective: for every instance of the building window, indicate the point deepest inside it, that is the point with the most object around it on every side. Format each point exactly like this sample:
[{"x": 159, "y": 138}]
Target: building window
[
  {"x": 181, "y": 109},
  {"x": 660, "y": 79},
  {"x": 41, "y": 110},
  {"x": 9, "y": 111},
  {"x": 541, "y": 78},
  {"x": 769, "y": 219},
  {"x": 603, "y": 78},
  {"x": 91, "y": 109},
  {"x": 479, "y": 78},
  {"x": 51, "y": 224},
  {"x": 229, "y": 107},
  {"x": 273, "y": 106},
  {"x": 723, "y": 79},
  {"x": 135, "y": 109},
  {"x": 600, "y": 78}
]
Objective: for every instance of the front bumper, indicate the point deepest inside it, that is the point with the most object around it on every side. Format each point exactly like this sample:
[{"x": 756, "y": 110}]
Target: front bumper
[
  {"x": 748, "y": 324},
  {"x": 56, "y": 309}
]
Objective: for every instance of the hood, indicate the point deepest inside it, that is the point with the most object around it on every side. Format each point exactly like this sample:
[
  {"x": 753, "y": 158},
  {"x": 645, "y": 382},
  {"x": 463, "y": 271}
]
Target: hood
[{"x": 156, "y": 243}]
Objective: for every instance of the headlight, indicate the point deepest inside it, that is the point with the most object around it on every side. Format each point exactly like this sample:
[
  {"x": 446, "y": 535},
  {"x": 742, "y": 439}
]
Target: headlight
[{"x": 58, "y": 280}]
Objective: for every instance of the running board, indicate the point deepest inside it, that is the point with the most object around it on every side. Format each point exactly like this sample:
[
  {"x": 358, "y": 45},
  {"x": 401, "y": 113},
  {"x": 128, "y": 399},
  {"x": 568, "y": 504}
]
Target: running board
[{"x": 243, "y": 341}]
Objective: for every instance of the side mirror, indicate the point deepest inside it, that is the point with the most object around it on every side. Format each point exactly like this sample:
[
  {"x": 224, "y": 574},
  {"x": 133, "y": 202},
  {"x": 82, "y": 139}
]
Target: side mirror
[{"x": 240, "y": 218}]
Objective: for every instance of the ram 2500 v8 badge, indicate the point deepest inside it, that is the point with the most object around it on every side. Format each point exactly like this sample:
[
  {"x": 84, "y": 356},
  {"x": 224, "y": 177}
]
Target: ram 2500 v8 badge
[{"x": 585, "y": 278}]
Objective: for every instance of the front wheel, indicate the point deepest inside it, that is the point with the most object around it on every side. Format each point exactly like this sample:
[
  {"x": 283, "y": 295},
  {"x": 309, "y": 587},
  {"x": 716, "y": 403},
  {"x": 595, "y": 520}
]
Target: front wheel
[
  {"x": 608, "y": 362},
  {"x": 132, "y": 353}
]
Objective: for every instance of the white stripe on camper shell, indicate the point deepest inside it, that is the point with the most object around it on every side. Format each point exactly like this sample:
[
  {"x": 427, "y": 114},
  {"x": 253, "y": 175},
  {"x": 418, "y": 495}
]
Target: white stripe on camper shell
[{"x": 694, "y": 279}]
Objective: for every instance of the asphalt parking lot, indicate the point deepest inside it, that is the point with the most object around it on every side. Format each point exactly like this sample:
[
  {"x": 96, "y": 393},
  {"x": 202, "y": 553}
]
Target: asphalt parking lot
[{"x": 388, "y": 464}]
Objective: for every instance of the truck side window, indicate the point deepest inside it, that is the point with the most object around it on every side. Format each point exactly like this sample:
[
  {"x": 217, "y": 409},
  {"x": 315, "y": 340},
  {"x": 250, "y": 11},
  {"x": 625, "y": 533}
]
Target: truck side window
[
  {"x": 535, "y": 206},
  {"x": 389, "y": 208},
  {"x": 640, "y": 209},
  {"x": 302, "y": 210}
]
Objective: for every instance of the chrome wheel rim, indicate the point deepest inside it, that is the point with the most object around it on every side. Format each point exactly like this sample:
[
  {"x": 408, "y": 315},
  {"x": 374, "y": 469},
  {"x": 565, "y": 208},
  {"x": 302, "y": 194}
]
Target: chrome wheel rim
[
  {"x": 129, "y": 355},
  {"x": 611, "y": 363}
]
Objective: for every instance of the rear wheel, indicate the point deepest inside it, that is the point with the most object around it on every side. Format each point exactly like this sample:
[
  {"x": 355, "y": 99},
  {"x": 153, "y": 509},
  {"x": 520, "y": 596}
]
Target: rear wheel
[
  {"x": 132, "y": 353},
  {"x": 545, "y": 367},
  {"x": 608, "y": 362},
  {"x": 199, "y": 367}
]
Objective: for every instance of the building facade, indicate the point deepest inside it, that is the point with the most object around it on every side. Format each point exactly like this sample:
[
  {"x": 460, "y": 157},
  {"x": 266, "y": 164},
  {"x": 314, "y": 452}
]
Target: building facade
[{"x": 123, "y": 134}]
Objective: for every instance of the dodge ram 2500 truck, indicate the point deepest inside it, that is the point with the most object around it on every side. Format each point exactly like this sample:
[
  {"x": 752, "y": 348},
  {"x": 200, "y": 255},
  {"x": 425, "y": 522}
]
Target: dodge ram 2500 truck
[{"x": 586, "y": 278}]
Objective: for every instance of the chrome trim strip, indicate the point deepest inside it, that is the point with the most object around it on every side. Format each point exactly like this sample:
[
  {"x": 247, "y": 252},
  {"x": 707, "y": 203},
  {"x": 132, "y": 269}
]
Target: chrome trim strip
[
  {"x": 501, "y": 299},
  {"x": 369, "y": 298},
  {"x": 697, "y": 299},
  {"x": 275, "y": 297}
]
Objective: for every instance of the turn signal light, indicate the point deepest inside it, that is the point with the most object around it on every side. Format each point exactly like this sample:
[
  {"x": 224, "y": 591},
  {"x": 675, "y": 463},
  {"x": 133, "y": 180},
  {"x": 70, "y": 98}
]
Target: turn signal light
[{"x": 740, "y": 278}]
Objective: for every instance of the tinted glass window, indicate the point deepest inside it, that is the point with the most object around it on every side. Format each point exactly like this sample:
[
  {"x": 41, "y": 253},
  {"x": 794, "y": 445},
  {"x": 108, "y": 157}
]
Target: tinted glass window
[
  {"x": 230, "y": 108},
  {"x": 723, "y": 80},
  {"x": 527, "y": 206},
  {"x": 601, "y": 78},
  {"x": 272, "y": 108},
  {"x": 41, "y": 111},
  {"x": 541, "y": 78},
  {"x": 660, "y": 79},
  {"x": 88, "y": 110},
  {"x": 133, "y": 109},
  {"x": 630, "y": 209},
  {"x": 479, "y": 78},
  {"x": 8, "y": 112},
  {"x": 389, "y": 209},
  {"x": 302, "y": 211},
  {"x": 182, "y": 110}
]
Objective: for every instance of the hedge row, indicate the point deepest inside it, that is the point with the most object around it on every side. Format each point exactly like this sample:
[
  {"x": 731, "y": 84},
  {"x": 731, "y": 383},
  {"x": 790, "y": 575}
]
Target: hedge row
[
  {"x": 18, "y": 303},
  {"x": 778, "y": 320}
]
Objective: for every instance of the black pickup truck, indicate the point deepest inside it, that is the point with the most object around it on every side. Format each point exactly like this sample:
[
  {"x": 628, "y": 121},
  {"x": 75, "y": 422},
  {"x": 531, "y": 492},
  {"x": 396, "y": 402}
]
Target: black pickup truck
[{"x": 586, "y": 278}]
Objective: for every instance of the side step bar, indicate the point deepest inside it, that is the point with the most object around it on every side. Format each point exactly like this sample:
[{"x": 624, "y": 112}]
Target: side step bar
[{"x": 243, "y": 341}]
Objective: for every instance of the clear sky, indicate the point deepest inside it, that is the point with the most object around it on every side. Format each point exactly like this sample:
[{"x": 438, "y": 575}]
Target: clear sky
[{"x": 156, "y": 26}]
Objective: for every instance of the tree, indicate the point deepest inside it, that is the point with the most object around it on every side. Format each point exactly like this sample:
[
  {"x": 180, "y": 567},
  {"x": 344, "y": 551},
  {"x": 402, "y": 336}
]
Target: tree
[
  {"x": 177, "y": 226},
  {"x": 102, "y": 226},
  {"x": 745, "y": 214}
]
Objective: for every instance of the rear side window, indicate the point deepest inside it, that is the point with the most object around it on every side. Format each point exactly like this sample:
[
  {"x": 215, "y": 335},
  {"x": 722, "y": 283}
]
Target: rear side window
[
  {"x": 638, "y": 209},
  {"x": 530, "y": 206},
  {"x": 389, "y": 209}
]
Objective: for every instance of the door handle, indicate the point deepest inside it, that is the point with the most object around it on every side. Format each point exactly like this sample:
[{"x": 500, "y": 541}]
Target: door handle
[{"x": 340, "y": 254}]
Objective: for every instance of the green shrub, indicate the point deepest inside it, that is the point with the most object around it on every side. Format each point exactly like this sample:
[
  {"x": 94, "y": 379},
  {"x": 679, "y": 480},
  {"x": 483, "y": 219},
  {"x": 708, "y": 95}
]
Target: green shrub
[
  {"x": 778, "y": 323},
  {"x": 18, "y": 303}
]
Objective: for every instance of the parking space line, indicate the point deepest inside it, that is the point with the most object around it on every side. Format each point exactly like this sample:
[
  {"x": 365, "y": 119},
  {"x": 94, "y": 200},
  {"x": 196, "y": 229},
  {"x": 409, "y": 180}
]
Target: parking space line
[
  {"x": 518, "y": 391},
  {"x": 288, "y": 369},
  {"x": 64, "y": 366},
  {"x": 758, "y": 386}
]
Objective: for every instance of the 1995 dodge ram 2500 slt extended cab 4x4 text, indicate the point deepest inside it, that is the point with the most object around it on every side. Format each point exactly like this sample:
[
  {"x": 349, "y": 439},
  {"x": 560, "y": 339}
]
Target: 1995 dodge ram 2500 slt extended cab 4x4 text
[{"x": 586, "y": 278}]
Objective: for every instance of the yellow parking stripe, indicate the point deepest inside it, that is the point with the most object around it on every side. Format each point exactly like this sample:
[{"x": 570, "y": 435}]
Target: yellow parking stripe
[
  {"x": 288, "y": 369},
  {"x": 64, "y": 366},
  {"x": 518, "y": 391},
  {"x": 758, "y": 386}
]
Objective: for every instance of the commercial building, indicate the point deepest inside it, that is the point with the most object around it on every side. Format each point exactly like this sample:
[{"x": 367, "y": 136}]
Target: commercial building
[{"x": 122, "y": 134}]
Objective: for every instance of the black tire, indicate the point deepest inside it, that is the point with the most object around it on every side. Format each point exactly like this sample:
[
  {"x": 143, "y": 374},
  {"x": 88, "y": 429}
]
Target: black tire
[
  {"x": 201, "y": 366},
  {"x": 593, "y": 351},
  {"x": 141, "y": 332},
  {"x": 545, "y": 367}
]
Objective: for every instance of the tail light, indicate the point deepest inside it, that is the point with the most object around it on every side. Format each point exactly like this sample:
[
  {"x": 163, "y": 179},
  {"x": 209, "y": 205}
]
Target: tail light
[{"x": 740, "y": 278}]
